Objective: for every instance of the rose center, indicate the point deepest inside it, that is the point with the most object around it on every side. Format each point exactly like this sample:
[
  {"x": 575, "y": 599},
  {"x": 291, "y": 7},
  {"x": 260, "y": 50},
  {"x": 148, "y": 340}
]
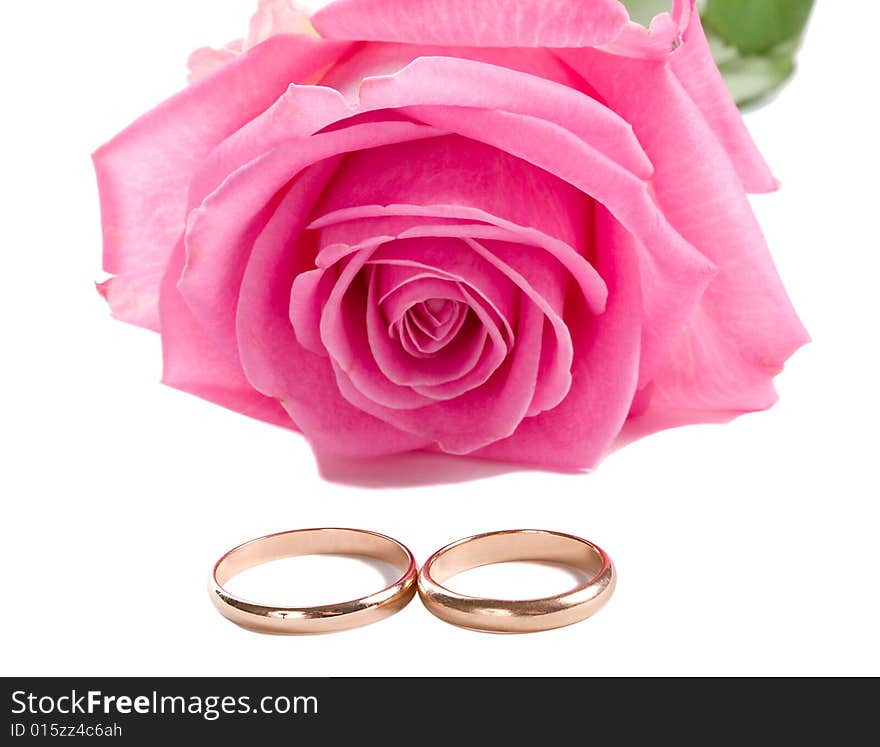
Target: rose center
[
  {"x": 437, "y": 310},
  {"x": 427, "y": 327}
]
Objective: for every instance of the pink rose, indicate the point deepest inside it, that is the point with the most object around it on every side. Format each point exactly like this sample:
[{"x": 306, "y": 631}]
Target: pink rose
[{"x": 502, "y": 228}]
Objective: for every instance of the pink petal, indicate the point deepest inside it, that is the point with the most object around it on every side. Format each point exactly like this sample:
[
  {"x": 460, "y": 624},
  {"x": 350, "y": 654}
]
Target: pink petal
[
  {"x": 299, "y": 112},
  {"x": 454, "y": 171},
  {"x": 194, "y": 365},
  {"x": 275, "y": 362},
  {"x": 218, "y": 240},
  {"x": 408, "y": 221},
  {"x": 307, "y": 297},
  {"x": 694, "y": 66},
  {"x": 545, "y": 285},
  {"x": 492, "y": 300},
  {"x": 582, "y": 429},
  {"x": 495, "y": 23},
  {"x": 744, "y": 327},
  {"x": 480, "y": 416},
  {"x": 345, "y": 338},
  {"x": 452, "y": 258},
  {"x": 453, "y": 361},
  {"x": 658, "y": 41},
  {"x": 593, "y": 171},
  {"x": 434, "y": 81},
  {"x": 411, "y": 313},
  {"x": 220, "y": 233},
  {"x": 447, "y": 178},
  {"x": 378, "y": 58},
  {"x": 337, "y": 240},
  {"x": 679, "y": 273},
  {"x": 310, "y": 296},
  {"x": 312, "y": 290},
  {"x": 430, "y": 329},
  {"x": 365, "y": 358},
  {"x": 144, "y": 173}
]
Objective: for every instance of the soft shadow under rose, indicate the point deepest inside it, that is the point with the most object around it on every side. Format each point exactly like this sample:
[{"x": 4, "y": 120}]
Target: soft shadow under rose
[{"x": 505, "y": 230}]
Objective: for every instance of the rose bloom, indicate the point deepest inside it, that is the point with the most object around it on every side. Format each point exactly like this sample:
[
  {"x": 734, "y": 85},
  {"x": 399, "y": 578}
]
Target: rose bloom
[{"x": 514, "y": 229}]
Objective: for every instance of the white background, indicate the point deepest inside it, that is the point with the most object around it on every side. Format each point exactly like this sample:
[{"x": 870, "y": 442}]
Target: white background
[{"x": 742, "y": 549}]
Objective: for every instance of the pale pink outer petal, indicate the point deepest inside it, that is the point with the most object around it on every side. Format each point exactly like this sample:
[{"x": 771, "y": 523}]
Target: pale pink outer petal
[
  {"x": 695, "y": 67},
  {"x": 660, "y": 39},
  {"x": 277, "y": 17},
  {"x": 131, "y": 298},
  {"x": 206, "y": 60},
  {"x": 744, "y": 328},
  {"x": 272, "y": 17},
  {"x": 193, "y": 364},
  {"x": 486, "y": 23},
  {"x": 144, "y": 173},
  {"x": 582, "y": 429}
]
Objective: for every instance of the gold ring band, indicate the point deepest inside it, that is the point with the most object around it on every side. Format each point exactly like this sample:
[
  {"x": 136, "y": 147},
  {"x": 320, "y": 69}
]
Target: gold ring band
[
  {"x": 517, "y": 616},
  {"x": 324, "y": 619}
]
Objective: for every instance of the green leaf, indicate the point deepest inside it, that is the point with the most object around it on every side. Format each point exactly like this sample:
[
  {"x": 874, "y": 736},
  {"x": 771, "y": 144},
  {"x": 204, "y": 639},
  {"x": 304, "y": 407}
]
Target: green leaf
[
  {"x": 755, "y": 43},
  {"x": 642, "y": 11},
  {"x": 756, "y": 26},
  {"x": 752, "y": 79}
]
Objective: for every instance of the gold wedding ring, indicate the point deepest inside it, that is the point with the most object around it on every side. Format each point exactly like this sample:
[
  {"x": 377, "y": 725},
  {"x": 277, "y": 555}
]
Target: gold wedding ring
[
  {"x": 324, "y": 619},
  {"x": 519, "y": 616}
]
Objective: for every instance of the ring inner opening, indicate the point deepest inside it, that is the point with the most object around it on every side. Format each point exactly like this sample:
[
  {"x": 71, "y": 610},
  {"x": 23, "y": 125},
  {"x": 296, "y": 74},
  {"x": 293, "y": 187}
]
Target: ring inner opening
[
  {"x": 338, "y": 542},
  {"x": 536, "y": 547}
]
